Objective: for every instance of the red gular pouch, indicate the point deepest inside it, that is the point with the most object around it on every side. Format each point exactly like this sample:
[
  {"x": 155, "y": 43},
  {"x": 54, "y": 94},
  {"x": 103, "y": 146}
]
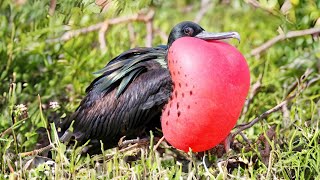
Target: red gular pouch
[{"x": 211, "y": 82}]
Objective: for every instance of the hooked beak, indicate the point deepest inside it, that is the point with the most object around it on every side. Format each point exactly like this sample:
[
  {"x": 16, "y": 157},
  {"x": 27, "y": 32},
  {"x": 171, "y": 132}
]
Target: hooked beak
[{"x": 218, "y": 36}]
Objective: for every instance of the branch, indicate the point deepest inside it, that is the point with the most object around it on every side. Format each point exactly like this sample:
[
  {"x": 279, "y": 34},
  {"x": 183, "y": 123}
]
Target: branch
[
  {"x": 254, "y": 90},
  {"x": 158, "y": 143},
  {"x": 299, "y": 83},
  {"x": 280, "y": 37},
  {"x": 102, "y": 40},
  {"x": 263, "y": 115},
  {"x": 52, "y": 8},
  {"x": 7, "y": 131},
  {"x": 11, "y": 128},
  {"x": 257, "y": 4},
  {"x": 149, "y": 36},
  {"x": 132, "y": 35},
  {"x": 11, "y": 169},
  {"x": 205, "y": 6},
  {"x": 286, "y": 115},
  {"x": 36, "y": 151},
  {"x": 144, "y": 17},
  {"x": 163, "y": 35}
]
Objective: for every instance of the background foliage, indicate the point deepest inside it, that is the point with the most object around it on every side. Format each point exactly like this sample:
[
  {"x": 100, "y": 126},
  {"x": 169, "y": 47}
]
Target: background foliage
[{"x": 38, "y": 67}]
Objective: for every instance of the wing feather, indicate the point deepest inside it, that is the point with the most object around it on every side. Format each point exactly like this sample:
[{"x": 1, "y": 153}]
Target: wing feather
[{"x": 129, "y": 94}]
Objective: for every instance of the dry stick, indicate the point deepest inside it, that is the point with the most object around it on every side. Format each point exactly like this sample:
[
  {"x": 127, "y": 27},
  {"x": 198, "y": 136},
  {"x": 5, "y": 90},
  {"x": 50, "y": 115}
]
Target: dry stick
[
  {"x": 245, "y": 137},
  {"x": 7, "y": 131},
  {"x": 10, "y": 129},
  {"x": 129, "y": 148},
  {"x": 123, "y": 143},
  {"x": 263, "y": 115},
  {"x": 149, "y": 36},
  {"x": 245, "y": 126},
  {"x": 205, "y": 6},
  {"x": 254, "y": 3},
  {"x": 101, "y": 3},
  {"x": 254, "y": 90},
  {"x": 136, "y": 145},
  {"x": 280, "y": 37},
  {"x": 132, "y": 35},
  {"x": 36, "y": 151},
  {"x": 163, "y": 35},
  {"x": 50, "y": 146},
  {"x": 73, "y": 33},
  {"x": 284, "y": 108},
  {"x": 313, "y": 80},
  {"x": 257, "y": 4},
  {"x": 52, "y": 8},
  {"x": 294, "y": 85},
  {"x": 11, "y": 169},
  {"x": 109, "y": 156},
  {"x": 158, "y": 143},
  {"x": 102, "y": 40},
  {"x": 285, "y": 114}
]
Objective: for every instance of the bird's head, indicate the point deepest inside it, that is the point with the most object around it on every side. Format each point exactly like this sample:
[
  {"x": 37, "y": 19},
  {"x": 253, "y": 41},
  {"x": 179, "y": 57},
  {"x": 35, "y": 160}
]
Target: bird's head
[{"x": 191, "y": 29}]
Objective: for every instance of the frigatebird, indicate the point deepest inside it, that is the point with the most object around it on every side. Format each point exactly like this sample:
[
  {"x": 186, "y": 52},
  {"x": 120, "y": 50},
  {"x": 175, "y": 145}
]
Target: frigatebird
[{"x": 128, "y": 97}]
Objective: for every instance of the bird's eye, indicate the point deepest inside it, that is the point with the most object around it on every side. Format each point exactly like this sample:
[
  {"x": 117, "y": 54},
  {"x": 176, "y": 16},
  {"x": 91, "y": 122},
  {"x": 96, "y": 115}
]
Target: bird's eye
[{"x": 188, "y": 31}]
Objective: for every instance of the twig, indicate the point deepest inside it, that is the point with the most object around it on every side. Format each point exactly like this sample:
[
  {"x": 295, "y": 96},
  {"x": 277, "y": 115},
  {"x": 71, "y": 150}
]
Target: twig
[
  {"x": 132, "y": 35},
  {"x": 11, "y": 169},
  {"x": 158, "y": 143},
  {"x": 291, "y": 95},
  {"x": 102, "y": 40},
  {"x": 129, "y": 148},
  {"x": 7, "y": 131},
  {"x": 263, "y": 115},
  {"x": 52, "y": 8},
  {"x": 244, "y": 137},
  {"x": 109, "y": 156},
  {"x": 257, "y": 4},
  {"x": 286, "y": 115},
  {"x": 163, "y": 35},
  {"x": 280, "y": 37},
  {"x": 138, "y": 141},
  {"x": 286, "y": 6},
  {"x": 205, "y": 6},
  {"x": 205, "y": 166},
  {"x": 73, "y": 33},
  {"x": 149, "y": 36},
  {"x": 254, "y": 3},
  {"x": 187, "y": 9},
  {"x": 313, "y": 80},
  {"x": 36, "y": 151},
  {"x": 101, "y": 3},
  {"x": 254, "y": 90},
  {"x": 122, "y": 143},
  {"x": 11, "y": 128}
]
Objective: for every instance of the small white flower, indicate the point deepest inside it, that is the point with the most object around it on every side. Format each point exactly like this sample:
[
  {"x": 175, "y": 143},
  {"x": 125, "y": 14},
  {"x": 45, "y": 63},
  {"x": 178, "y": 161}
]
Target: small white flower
[
  {"x": 54, "y": 105},
  {"x": 21, "y": 108}
]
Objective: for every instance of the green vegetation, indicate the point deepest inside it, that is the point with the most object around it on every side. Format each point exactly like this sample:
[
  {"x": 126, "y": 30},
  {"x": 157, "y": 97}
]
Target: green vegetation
[{"x": 38, "y": 66}]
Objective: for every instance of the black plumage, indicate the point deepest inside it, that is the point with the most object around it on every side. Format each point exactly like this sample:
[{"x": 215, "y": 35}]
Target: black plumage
[
  {"x": 125, "y": 100},
  {"x": 128, "y": 97}
]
